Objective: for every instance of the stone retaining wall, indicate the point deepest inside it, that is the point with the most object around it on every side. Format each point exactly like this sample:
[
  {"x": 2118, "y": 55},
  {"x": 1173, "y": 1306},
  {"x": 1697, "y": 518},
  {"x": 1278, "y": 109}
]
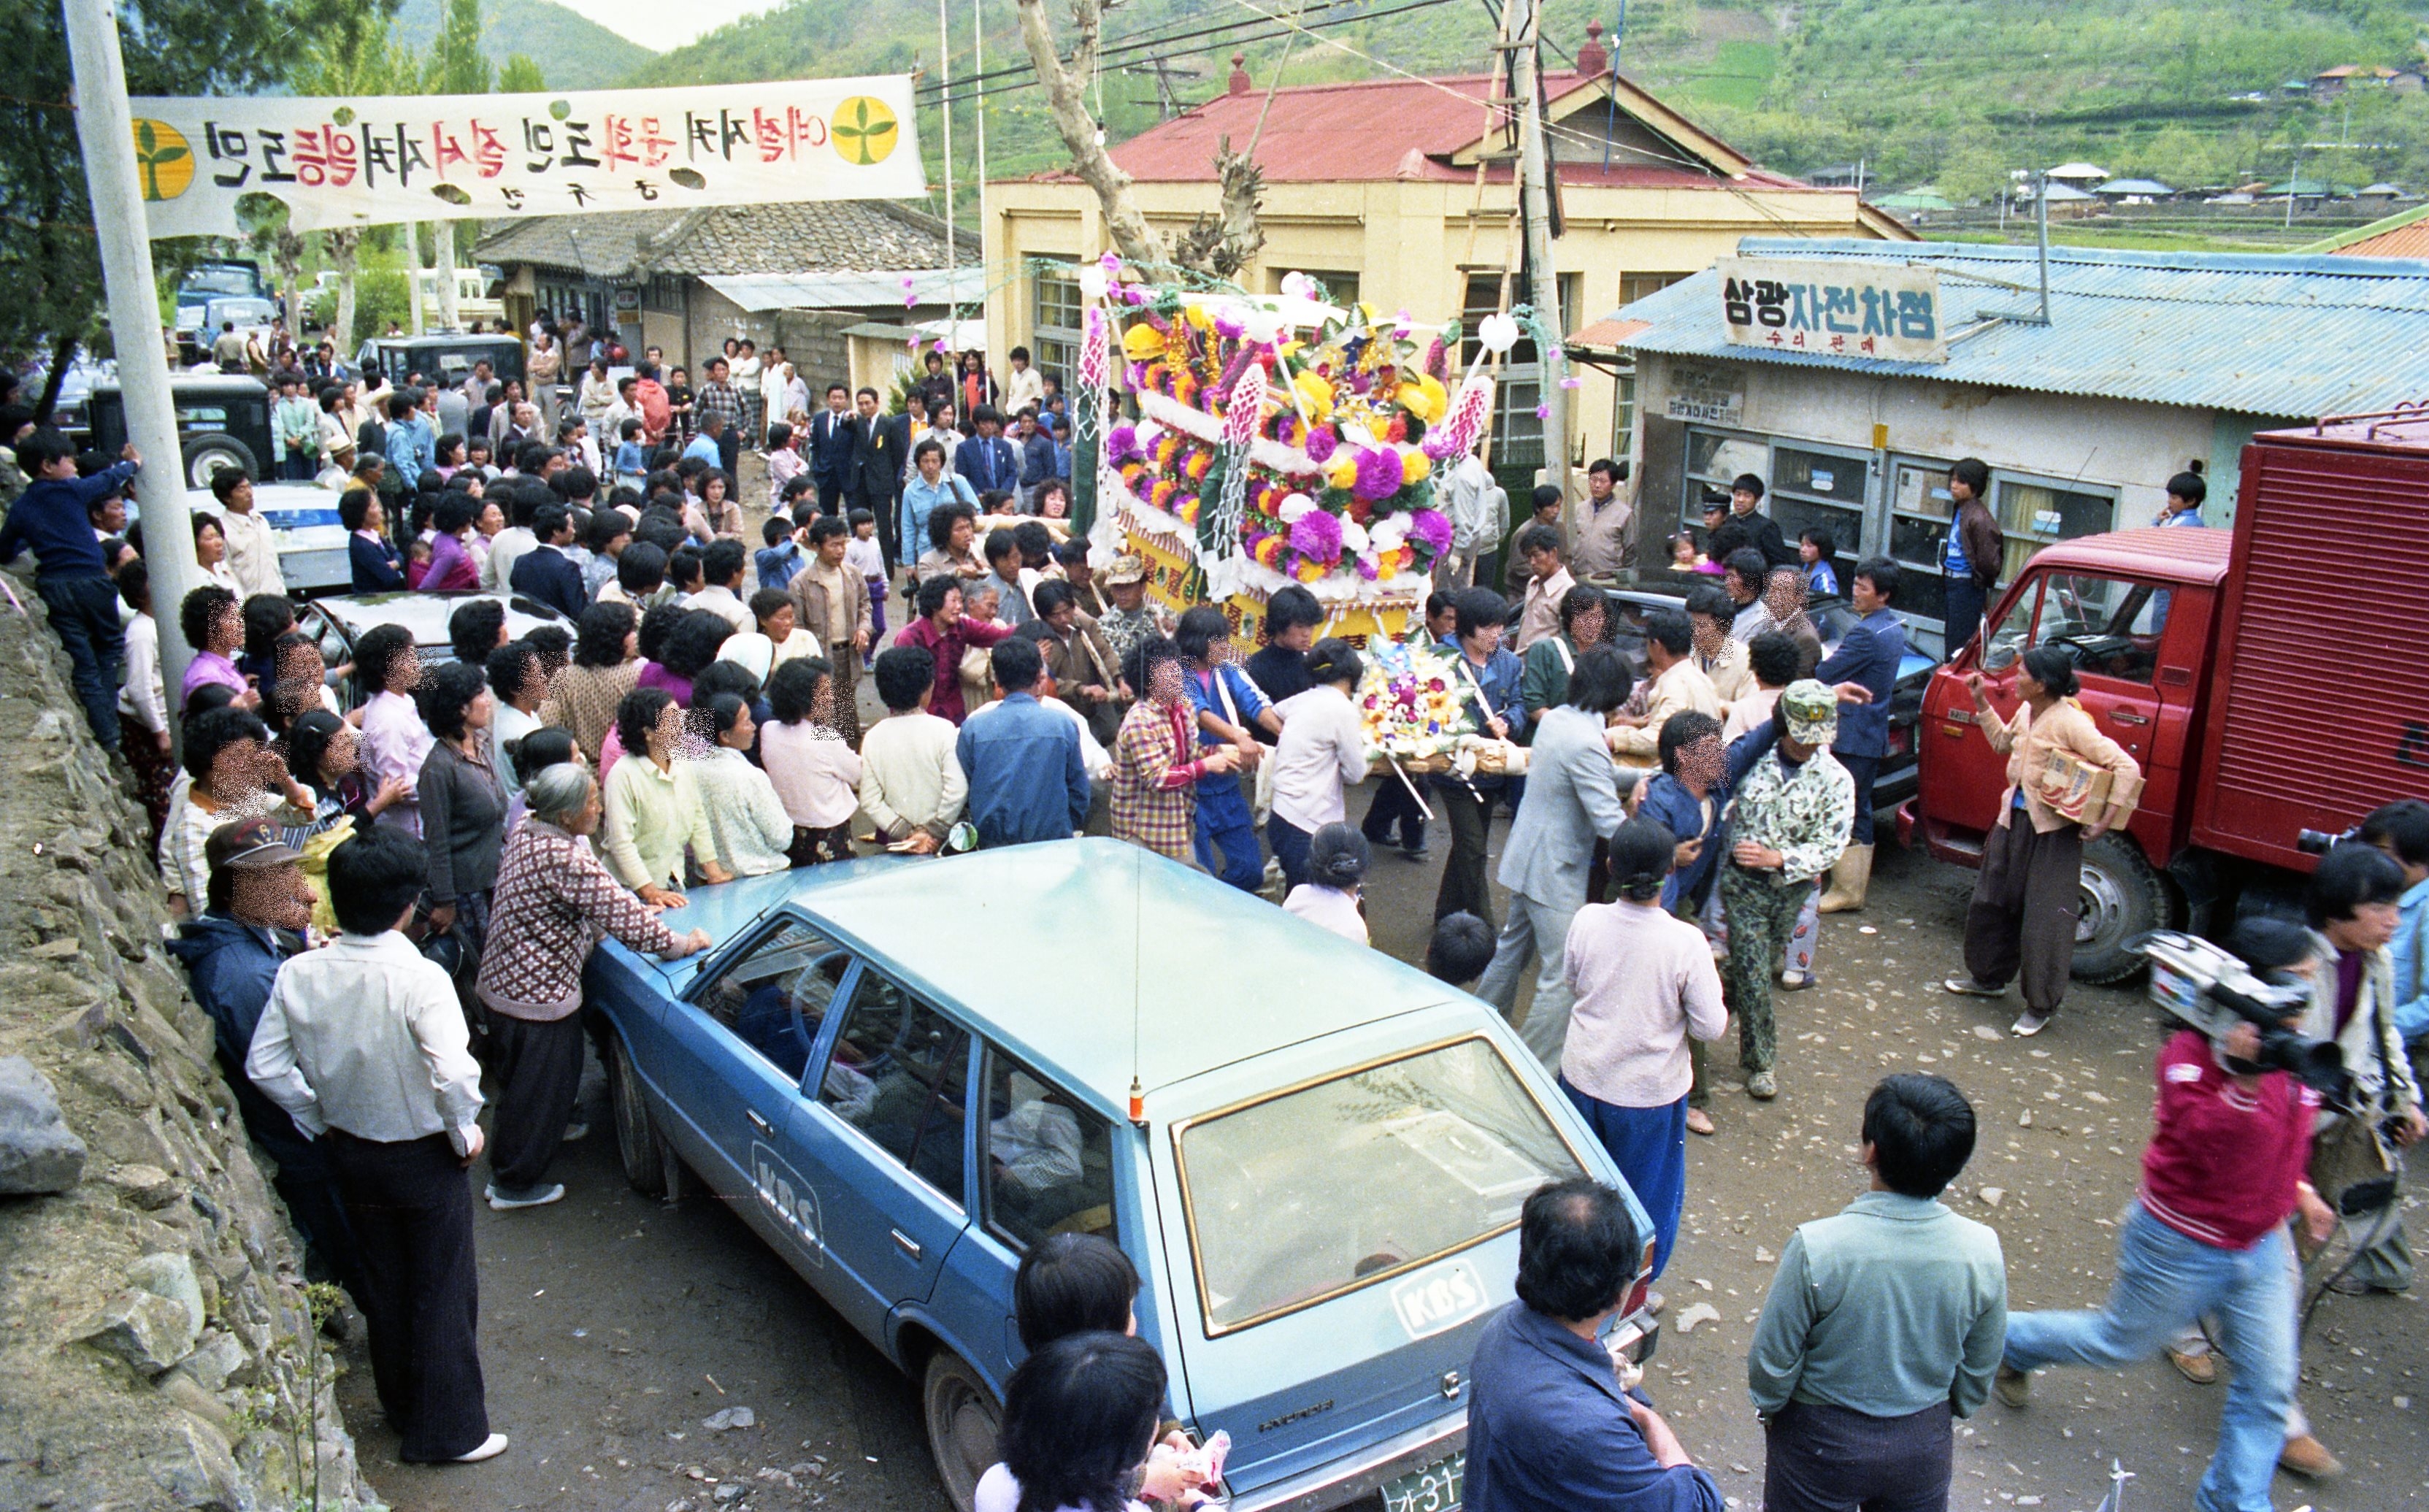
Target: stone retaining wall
[{"x": 157, "y": 1348}]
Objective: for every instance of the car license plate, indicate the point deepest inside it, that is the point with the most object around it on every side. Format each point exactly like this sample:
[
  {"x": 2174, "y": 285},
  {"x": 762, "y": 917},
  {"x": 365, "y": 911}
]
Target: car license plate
[{"x": 1434, "y": 1489}]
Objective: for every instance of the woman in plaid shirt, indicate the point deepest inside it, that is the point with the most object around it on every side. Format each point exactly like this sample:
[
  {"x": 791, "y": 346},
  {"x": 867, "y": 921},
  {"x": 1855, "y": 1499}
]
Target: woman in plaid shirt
[
  {"x": 554, "y": 902},
  {"x": 1155, "y": 789}
]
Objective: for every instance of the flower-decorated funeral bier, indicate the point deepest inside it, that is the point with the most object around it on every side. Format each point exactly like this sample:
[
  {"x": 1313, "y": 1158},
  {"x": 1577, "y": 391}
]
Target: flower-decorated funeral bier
[{"x": 1282, "y": 440}]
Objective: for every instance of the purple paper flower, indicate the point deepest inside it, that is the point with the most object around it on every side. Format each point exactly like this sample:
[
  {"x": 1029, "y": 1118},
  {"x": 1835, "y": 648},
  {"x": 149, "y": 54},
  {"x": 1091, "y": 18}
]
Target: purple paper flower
[
  {"x": 1431, "y": 527},
  {"x": 1379, "y": 474},
  {"x": 1229, "y": 325},
  {"x": 1317, "y": 536},
  {"x": 1320, "y": 444},
  {"x": 1120, "y": 443},
  {"x": 1368, "y": 568}
]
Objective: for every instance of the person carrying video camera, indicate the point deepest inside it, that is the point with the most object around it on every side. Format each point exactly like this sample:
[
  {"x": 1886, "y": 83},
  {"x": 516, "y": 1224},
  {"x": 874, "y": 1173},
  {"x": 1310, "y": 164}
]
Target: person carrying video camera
[
  {"x": 2353, "y": 903},
  {"x": 2205, "y": 1236}
]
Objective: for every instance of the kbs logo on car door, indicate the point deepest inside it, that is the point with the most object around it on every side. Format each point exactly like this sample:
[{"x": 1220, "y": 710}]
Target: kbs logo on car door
[
  {"x": 1435, "y": 1299},
  {"x": 791, "y": 1201}
]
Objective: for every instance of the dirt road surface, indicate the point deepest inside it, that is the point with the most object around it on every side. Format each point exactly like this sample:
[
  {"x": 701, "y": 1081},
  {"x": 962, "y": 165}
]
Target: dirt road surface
[{"x": 613, "y": 1327}]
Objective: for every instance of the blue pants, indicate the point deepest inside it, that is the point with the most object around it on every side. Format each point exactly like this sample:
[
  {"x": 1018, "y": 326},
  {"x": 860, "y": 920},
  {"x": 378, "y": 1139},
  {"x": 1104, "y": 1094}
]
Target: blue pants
[
  {"x": 1962, "y": 615},
  {"x": 1224, "y": 822},
  {"x": 1863, "y": 769},
  {"x": 84, "y": 616},
  {"x": 1650, "y": 1146},
  {"x": 1290, "y": 844},
  {"x": 2165, "y": 1281}
]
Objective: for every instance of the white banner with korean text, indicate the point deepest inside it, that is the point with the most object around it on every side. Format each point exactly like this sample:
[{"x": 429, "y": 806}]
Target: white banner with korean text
[
  {"x": 391, "y": 159},
  {"x": 1886, "y": 311}
]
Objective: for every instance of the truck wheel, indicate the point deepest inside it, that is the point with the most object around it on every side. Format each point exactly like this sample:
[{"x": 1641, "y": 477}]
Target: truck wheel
[
  {"x": 962, "y": 1422},
  {"x": 2121, "y": 897},
  {"x": 651, "y": 1163},
  {"x": 210, "y": 453}
]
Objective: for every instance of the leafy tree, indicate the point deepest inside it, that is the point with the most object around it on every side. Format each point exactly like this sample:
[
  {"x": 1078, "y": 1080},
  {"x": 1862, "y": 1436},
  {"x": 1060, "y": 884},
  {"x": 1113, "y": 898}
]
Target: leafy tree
[
  {"x": 520, "y": 76},
  {"x": 458, "y": 65},
  {"x": 51, "y": 294}
]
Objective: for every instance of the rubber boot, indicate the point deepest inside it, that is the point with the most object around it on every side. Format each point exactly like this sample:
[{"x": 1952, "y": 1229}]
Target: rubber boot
[{"x": 1849, "y": 880}]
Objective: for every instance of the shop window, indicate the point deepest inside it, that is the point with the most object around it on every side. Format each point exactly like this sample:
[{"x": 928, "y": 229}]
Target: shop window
[
  {"x": 2032, "y": 515},
  {"x": 1920, "y": 509},
  {"x": 1634, "y": 287}
]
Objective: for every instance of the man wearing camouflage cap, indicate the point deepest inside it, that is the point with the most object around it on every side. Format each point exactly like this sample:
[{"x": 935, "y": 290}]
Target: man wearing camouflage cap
[
  {"x": 1788, "y": 823},
  {"x": 1131, "y": 618}
]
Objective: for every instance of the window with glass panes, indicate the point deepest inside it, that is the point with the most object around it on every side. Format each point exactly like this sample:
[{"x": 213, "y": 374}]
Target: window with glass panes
[
  {"x": 1921, "y": 508},
  {"x": 2034, "y": 512},
  {"x": 1054, "y": 320},
  {"x": 1518, "y": 431},
  {"x": 1339, "y": 289}
]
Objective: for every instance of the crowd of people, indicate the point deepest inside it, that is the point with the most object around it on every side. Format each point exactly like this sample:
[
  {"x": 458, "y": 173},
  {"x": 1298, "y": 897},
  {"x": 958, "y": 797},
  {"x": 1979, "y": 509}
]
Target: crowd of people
[{"x": 438, "y": 862}]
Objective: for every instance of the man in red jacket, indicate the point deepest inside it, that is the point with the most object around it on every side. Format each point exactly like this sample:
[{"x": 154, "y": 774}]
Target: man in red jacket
[{"x": 2206, "y": 1237}]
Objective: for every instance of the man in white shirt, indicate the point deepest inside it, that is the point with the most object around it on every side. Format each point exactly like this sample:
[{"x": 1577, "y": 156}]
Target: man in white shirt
[
  {"x": 720, "y": 569},
  {"x": 1024, "y": 388},
  {"x": 364, "y": 1044},
  {"x": 252, "y": 544},
  {"x": 912, "y": 786}
]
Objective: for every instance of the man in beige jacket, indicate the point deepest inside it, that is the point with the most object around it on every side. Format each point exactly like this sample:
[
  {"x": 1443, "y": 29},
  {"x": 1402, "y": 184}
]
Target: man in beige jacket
[{"x": 1677, "y": 685}]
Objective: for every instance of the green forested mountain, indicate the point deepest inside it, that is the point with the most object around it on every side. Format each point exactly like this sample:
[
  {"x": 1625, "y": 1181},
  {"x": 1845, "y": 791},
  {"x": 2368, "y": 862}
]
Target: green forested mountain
[
  {"x": 1955, "y": 92},
  {"x": 573, "y": 51}
]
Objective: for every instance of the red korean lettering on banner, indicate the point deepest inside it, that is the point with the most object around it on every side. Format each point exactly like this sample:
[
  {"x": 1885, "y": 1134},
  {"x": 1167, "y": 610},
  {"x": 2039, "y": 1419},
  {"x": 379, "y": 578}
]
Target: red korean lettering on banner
[
  {"x": 445, "y": 151},
  {"x": 325, "y": 155},
  {"x": 488, "y": 152}
]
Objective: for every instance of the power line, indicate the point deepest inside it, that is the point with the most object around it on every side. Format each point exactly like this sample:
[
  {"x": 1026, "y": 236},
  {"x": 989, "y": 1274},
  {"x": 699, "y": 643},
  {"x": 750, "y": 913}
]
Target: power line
[
  {"x": 1199, "y": 29},
  {"x": 961, "y": 95}
]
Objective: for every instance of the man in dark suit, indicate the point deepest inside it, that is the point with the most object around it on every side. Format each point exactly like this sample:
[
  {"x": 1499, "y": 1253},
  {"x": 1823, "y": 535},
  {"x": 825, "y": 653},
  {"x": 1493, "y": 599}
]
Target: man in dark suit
[
  {"x": 879, "y": 445},
  {"x": 986, "y": 460},
  {"x": 830, "y": 450},
  {"x": 545, "y": 572},
  {"x": 1869, "y": 654}
]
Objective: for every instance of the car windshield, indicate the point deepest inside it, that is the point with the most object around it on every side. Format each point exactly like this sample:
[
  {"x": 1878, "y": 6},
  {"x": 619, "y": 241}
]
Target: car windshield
[
  {"x": 1301, "y": 1197},
  {"x": 219, "y": 281}
]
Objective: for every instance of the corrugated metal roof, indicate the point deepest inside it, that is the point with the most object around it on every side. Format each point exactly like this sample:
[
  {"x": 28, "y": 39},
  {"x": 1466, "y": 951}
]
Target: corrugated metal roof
[
  {"x": 848, "y": 290},
  {"x": 2271, "y": 335}
]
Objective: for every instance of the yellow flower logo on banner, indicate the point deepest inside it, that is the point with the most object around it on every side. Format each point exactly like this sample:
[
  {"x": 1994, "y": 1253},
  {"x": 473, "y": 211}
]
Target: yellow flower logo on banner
[
  {"x": 164, "y": 157},
  {"x": 865, "y": 130}
]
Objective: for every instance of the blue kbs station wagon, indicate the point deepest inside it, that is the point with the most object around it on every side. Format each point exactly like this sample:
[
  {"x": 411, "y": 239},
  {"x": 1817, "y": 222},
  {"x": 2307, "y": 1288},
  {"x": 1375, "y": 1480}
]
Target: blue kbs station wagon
[{"x": 904, "y": 1073}]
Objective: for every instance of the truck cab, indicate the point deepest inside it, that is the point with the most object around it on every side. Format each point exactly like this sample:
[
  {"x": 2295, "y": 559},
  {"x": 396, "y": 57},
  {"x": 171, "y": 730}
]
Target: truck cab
[{"x": 2137, "y": 613}]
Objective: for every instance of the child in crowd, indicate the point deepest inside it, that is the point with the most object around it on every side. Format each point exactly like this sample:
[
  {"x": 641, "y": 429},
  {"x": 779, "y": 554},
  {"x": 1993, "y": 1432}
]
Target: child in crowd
[
  {"x": 1814, "y": 550},
  {"x": 1461, "y": 949},
  {"x": 864, "y": 556},
  {"x": 784, "y": 461},
  {"x": 1337, "y": 858},
  {"x": 781, "y": 557},
  {"x": 1684, "y": 556},
  {"x": 632, "y": 456}
]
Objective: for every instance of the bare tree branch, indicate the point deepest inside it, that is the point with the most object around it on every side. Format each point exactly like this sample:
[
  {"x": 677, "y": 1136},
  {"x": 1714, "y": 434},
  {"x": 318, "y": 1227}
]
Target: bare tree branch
[{"x": 1065, "y": 101}]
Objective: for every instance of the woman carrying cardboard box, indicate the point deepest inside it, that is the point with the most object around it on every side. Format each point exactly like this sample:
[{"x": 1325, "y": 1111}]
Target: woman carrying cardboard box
[{"x": 2072, "y": 784}]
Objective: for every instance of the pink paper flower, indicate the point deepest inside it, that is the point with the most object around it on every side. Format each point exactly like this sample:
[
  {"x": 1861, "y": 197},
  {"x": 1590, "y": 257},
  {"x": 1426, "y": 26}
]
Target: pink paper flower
[
  {"x": 1316, "y": 536},
  {"x": 1379, "y": 474},
  {"x": 1431, "y": 529}
]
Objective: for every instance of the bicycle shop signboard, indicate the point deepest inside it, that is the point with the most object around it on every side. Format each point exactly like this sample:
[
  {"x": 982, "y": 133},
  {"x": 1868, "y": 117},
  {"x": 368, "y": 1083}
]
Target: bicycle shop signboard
[
  {"x": 1886, "y": 311},
  {"x": 382, "y": 159}
]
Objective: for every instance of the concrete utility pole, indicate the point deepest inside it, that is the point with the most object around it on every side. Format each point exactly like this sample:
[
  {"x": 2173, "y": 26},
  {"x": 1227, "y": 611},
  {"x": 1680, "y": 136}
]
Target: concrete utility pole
[
  {"x": 953, "y": 271},
  {"x": 443, "y": 238},
  {"x": 1522, "y": 35},
  {"x": 413, "y": 275},
  {"x": 105, "y": 137}
]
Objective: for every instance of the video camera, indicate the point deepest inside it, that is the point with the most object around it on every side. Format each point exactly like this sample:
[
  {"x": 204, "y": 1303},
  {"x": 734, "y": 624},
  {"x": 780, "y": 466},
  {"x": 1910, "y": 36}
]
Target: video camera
[
  {"x": 2320, "y": 842},
  {"x": 2213, "y": 990}
]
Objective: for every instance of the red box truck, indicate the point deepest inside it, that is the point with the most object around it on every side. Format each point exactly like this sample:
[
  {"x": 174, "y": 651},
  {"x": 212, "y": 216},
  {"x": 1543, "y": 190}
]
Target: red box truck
[{"x": 2270, "y": 679}]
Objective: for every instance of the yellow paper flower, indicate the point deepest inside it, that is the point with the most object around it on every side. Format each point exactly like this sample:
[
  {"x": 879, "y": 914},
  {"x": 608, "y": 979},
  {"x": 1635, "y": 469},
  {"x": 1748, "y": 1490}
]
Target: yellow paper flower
[
  {"x": 1342, "y": 470},
  {"x": 1141, "y": 342},
  {"x": 1415, "y": 464},
  {"x": 1197, "y": 315},
  {"x": 1316, "y": 392},
  {"x": 1423, "y": 397}
]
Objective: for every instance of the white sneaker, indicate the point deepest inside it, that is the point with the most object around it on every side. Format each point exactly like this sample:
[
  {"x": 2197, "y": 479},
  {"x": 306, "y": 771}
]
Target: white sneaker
[
  {"x": 503, "y": 1200},
  {"x": 2028, "y": 1024},
  {"x": 490, "y": 1447}
]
